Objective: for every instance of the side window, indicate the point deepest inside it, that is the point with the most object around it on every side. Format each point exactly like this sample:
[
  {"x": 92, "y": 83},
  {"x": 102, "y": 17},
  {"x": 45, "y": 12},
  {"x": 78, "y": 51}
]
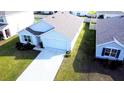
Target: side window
[
  {"x": 1, "y": 19},
  {"x": 107, "y": 51},
  {"x": 111, "y": 52},
  {"x": 78, "y": 14},
  {"x": 27, "y": 38}
]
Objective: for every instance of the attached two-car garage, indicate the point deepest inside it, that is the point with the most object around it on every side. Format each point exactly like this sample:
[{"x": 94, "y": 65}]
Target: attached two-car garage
[{"x": 55, "y": 40}]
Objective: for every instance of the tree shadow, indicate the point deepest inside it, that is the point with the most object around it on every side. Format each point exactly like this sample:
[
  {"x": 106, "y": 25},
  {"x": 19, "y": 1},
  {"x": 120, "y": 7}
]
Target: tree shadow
[
  {"x": 84, "y": 61},
  {"x": 8, "y": 49}
]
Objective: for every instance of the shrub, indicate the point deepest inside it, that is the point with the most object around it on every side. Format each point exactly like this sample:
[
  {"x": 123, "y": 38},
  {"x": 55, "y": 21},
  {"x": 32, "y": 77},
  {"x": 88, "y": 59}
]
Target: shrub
[{"x": 22, "y": 46}]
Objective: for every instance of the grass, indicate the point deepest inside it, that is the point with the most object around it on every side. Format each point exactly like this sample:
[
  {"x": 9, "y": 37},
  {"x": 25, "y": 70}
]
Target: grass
[
  {"x": 92, "y": 12},
  {"x": 83, "y": 53},
  {"x": 12, "y": 61},
  {"x": 81, "y": 66},
  {"x": 37, "y": 19}
]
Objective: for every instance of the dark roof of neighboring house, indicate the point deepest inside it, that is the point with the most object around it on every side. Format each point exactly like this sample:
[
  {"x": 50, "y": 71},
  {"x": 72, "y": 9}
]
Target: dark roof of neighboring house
[
  {"x": 9, "y": 12},
  {"x": 65, "y": 23},
  {"x": 2, "y": 26},
  {"x": 107, "y": 29},
  {"x": 110, "y": 12},
  {"x": 33, "y": 31}
]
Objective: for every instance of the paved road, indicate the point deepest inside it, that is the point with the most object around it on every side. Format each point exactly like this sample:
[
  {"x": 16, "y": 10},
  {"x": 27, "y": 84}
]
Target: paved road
[{"x": 44, "y": 67}]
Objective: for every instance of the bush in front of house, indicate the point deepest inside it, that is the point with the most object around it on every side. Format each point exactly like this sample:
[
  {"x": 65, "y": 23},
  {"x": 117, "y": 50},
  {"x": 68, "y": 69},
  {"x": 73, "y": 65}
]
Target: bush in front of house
[
  {"x": 111, "y": 64},
  {"x": 68, "y": 54},
  {"x": 22, "y": 46}
]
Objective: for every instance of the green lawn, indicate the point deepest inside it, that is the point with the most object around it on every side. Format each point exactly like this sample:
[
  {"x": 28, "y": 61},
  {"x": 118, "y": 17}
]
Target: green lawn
[
  {"x": 12, "y": 61},
  {"x": 92, "y": 12},
  {"x": 82, "y": 66},
  {"x": 83, "y": 53}
]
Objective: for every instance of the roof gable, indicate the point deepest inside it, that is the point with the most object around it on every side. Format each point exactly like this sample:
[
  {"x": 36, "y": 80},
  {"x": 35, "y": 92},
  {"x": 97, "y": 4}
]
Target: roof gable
[{"x": 41, "y": 27}]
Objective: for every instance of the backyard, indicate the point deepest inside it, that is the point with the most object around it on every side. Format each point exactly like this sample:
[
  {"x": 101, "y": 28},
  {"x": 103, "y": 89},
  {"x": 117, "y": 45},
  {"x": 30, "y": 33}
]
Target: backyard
[
  {"x": 81, "y": 66},
  {"x": 12, "y": 61}
]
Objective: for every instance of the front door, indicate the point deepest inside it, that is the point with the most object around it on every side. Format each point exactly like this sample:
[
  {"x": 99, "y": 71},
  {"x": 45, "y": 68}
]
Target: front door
[
  {"x": 7, "y": 32},
  {"x": 1, "y": 35},
  {"x": 40, "y": 43}
]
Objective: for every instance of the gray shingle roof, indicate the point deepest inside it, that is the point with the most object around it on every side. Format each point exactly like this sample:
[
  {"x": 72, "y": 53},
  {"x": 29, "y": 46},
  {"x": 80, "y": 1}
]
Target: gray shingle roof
[
  {"x": 39, "y": 28},
  {"x": 65, "y": 23},
  {"x": 33, "y": 31},
  {"x": 106, "y": 29},
  {"x": 110, "y": 12}
]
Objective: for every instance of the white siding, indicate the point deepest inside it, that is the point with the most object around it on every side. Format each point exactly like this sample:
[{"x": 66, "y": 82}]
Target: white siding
[
  {"x": 18, "y": 21},
  {"x": 114, "y": 45},
  {"x": 76, "y": 36},
  {"x": 33, "y": 38},
  {"x": 55, "y": 40}
]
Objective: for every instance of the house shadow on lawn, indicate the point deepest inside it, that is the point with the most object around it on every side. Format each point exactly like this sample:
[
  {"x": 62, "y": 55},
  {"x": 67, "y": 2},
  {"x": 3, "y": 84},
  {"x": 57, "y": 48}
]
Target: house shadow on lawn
[
  {"x": 84, "y": 62},
  {"x": 9, "y": 49}
]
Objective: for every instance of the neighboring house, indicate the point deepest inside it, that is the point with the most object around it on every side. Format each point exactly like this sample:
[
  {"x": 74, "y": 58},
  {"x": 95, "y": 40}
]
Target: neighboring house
[
  {"x": 109, "y": 14},
  {"x": 56, "y": 31},
  {"x": 13, "y": 21},
  {"x": 45, "y": 12},
  {"x": 110, "y": 38},
  {"x": 79, "y": 13}
]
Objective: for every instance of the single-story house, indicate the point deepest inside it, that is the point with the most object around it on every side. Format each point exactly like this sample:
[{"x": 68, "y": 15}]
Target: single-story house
[
  {"x": 79, "y": 13},
  {"x": 13, "y": 21},
  {"x": 59, "y": 30},
  {"x": 109, "y": 14},
  {"x": 110, "y": 38},
  {"x": 45, "y": 12}
]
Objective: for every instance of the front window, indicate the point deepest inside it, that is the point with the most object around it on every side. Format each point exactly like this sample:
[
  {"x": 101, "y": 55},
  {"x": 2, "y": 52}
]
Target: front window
[
  {"x": 78, "y": 14},
  {"x": 107, "y": 52},
  {"x": 111, "y": 52},
  {"x": 1, "y": 19},
  {"x": 27, "y": 38}
]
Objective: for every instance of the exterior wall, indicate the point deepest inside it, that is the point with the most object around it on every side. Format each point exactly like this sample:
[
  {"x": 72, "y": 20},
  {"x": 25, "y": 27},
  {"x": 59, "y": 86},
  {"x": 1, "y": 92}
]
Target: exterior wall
[
  {"x": 76, "y": 36},
  {"x": 52, "y": 38},
  {"x": 82, "y": 13},
  {"x": 109, "y": 15},
  {"x": 33, "y": 38},
  {"x": 18, "y": 21},
  {"x": 112, "y": 15},
  {"x": 99, "y": 49}
]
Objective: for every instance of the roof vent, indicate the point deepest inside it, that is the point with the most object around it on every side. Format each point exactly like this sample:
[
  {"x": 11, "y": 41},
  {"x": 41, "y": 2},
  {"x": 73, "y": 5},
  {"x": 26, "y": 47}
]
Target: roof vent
[{"x": 53, "y": 17}]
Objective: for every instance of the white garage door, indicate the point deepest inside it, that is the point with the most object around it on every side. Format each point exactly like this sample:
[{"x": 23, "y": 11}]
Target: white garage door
[{"x": 59, "y": 44}]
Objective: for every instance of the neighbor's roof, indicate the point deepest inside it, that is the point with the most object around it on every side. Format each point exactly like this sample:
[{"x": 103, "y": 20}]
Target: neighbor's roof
[
  {"x": 110, "y": 12},
  {"x": 65, "y": 23},
  {"x": 39, "y": 28},
  {"x": 107, "y": 29},
  {"x": 9, "y": 12}
]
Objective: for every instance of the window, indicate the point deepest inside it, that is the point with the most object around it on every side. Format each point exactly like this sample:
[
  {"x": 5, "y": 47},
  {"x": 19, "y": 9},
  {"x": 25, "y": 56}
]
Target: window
[
  {"x": 107, "y": 52},
  {"x": 78, "y": 14},
  {"x": 1, "y": 19},
  {"x": 27, "y": 38},
  {"x": 110, "y": 52},
  {"x": 7, "y": 32},
  {"x": 114, "y": 52}
]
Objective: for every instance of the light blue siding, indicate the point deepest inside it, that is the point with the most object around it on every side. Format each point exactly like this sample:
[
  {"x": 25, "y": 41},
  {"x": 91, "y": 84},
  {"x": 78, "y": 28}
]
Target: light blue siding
[
  {"x": 112, "y": 45},
  {"x": 33, "y": 38}
]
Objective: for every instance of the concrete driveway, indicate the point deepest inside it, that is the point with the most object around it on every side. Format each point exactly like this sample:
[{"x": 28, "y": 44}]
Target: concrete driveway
[{"x": 44, "y": 67}]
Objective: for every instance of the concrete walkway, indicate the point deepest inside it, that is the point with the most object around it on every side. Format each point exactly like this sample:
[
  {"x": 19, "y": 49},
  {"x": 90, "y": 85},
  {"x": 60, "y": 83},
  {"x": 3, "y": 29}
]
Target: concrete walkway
[{"x": 44, "y": 67}]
